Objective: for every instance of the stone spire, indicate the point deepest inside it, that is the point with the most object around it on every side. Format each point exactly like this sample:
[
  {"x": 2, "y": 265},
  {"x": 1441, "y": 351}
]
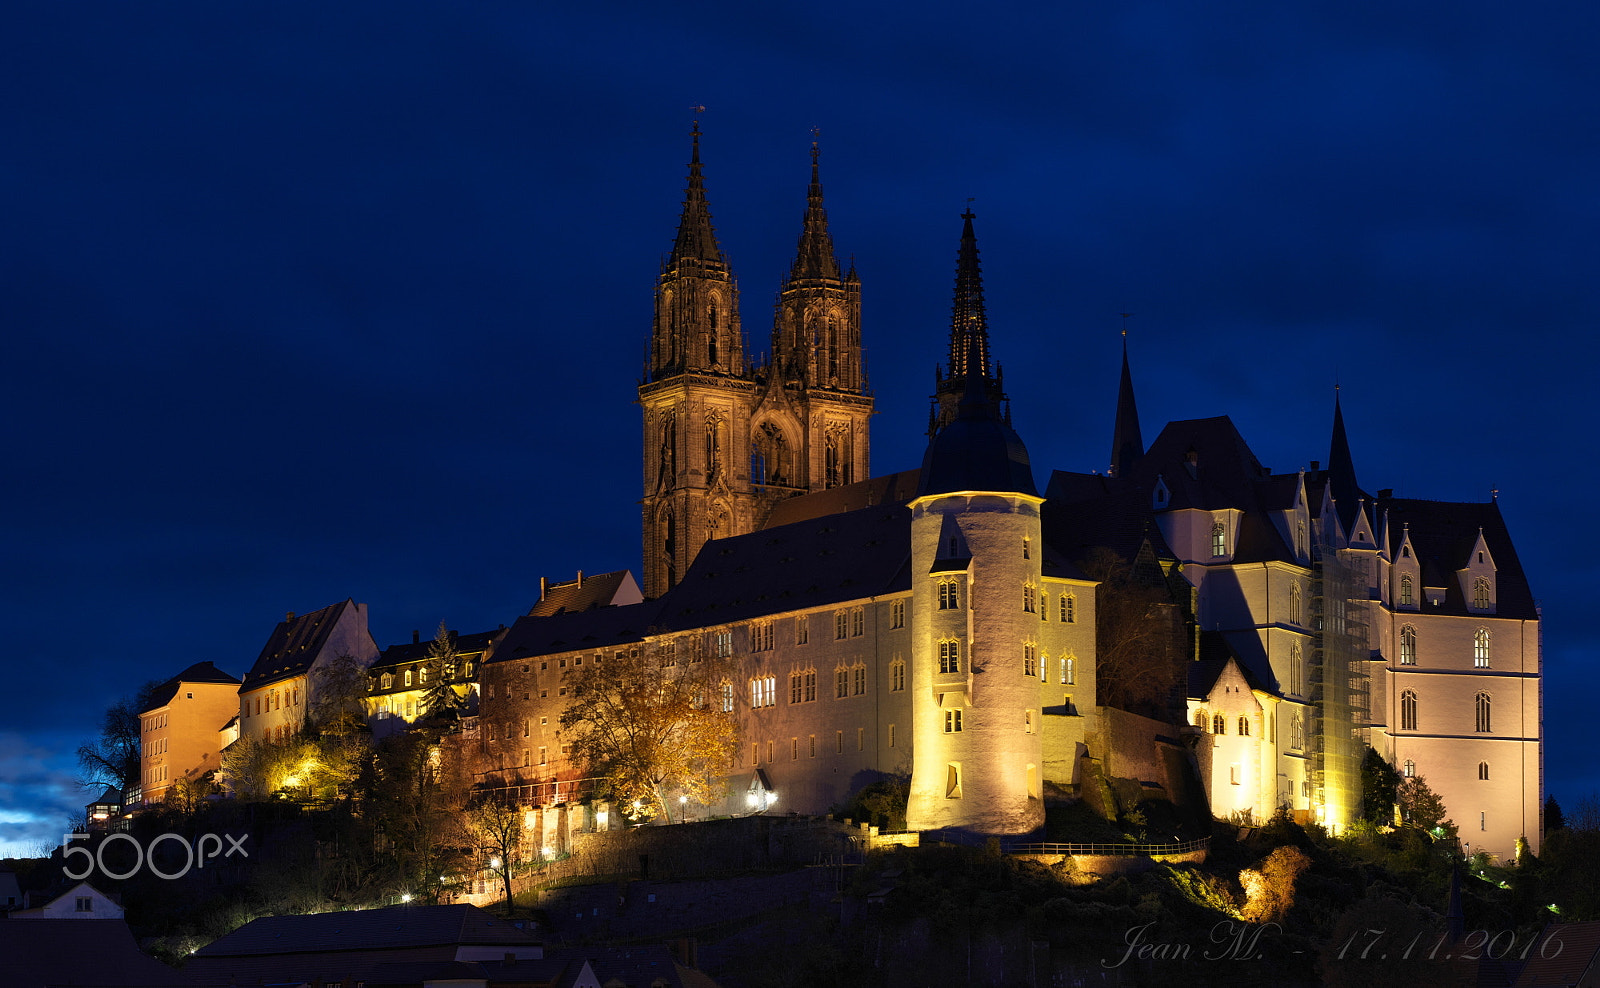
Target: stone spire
[
  {"x": 815, "y": 258},
  {"x": 969, "y": 337},
  {"x": 1341, "y": 467},
  {"x": 696, "y": 238},
  {"x": 1127, "y": 445}
]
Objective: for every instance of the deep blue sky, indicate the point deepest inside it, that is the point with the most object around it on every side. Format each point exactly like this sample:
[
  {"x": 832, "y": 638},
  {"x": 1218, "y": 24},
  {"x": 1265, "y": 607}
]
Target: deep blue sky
[{"x": 306, "y": 301}]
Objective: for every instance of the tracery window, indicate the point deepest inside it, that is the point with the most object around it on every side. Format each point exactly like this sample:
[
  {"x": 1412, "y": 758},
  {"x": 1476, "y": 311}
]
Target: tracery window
[{"x": 1408, "y": 711}]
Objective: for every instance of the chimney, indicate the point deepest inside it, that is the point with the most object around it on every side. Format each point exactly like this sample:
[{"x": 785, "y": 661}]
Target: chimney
[
  {"x": 288, "y": 617},
  {"x": 542, "y": 585},
  {"x": 416, "y": 636},
  {"x": 580, "y": 577}
]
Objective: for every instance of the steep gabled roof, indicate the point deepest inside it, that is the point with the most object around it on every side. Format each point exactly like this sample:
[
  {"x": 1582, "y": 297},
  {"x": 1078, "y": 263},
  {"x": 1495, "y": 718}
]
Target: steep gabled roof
[
  {"x": 586, "y": 592},
  {"x": 1083, "y": 512},
  {"x": 295, "y": 644},
  {"x": 40, "y": 952},
  {"x": 418, "y": 651},
  {"x": 1443, "y": 534},
  {"x": 894, "y": 488},
  {"x": 1221, "y": 473}
]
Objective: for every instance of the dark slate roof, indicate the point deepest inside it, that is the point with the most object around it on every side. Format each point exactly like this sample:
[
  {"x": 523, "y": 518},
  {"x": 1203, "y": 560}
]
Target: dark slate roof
[
  {"x": 39, "y": 952},
  {"x": 1215, "y": 654},
  {"x": 295, "y": 644},
  {"x": 582, "y": 594},
  {"x": 894, "y": 488},
  {"x": 1568, "y": 966},
  {"x": 807, "y": 564},
  {"x": 603, "y": 627},
  {"x": 1244, "y": 647},
  {"x": 1083, "y": 512},
  {"x": 976, "y": 451},
  {"x": 1260, "y": 540},
  {"x": 1223, "y": 475},
  {"x": 639, "y": 967},
  {"x": 471, "y": 644},
  {"x": 1443, "y": 534},
  {"x": 200, "y": 672},
  {"x": 369, "y": 929}
]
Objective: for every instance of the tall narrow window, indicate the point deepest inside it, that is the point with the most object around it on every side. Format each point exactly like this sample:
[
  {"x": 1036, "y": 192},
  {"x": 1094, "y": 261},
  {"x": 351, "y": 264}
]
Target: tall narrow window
[
  {"x": 841, "y": 624},
  {"x": 1297, "y": 669},
  {"x": 1069, "y": 671},
  {"x": 1408, "y": 711},
  {"x": 802, "y": 630},
  {"x": 1027, "y": 597},
  {"x": 1244, "y": 727},
  {"x": 1030, "y": 659},
  {"x": 1219, "y": 724},
  {"x": 1480, "y": 593},
  {"x": 949, "y": 599},
  {"x": 897, "y": 614},
  {"x": 1410, "y": 769},
  {"x": 1296, "y": 605},
  {"x": 1408, "y": 593},
  {"x": 897, "y": 677},
  {"x": 1069, "y": 609},
  {"x": 1219, "y": 539},
  {"x": 841, "y": 683},
  {"x": 949, "y": 656},
  {"x": 1480, "y": 648},
  {"x": 1408, "y": 646},
  {"x": 1485, "y": 725}
]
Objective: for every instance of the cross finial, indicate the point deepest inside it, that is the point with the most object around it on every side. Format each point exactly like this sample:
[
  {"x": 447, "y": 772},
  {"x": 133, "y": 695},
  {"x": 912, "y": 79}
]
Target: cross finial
[{"x": 1125, "y": 317}]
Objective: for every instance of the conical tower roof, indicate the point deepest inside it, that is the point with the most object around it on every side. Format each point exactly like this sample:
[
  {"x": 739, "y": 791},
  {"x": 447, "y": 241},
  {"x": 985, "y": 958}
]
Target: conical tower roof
[
  {"x": 696, "y": 238},
  {"x": 1127, "y": 445},
  {"x": 815, "y": 257}
]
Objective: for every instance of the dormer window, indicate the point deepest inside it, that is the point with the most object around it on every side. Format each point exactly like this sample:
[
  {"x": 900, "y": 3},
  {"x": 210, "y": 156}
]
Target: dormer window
[
  {"x": 1480, "y": 591},
  {"x": 1408, "y": 594},
  {"x": 408, "y": 677},
  {"x": 1219, "y": 539}
]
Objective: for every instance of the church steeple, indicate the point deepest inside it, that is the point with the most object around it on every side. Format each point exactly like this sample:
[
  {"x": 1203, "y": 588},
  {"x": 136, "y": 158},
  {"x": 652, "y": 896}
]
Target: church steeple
[
  {"x": 969, "y": 335},
  {"x": 697, "y": 300},
  {"x": 1341, "y": 467},
  {"x": 816, "y": 335},
  {"x": 1127, "y": 445},
  {"x": 696, "y": 239}
]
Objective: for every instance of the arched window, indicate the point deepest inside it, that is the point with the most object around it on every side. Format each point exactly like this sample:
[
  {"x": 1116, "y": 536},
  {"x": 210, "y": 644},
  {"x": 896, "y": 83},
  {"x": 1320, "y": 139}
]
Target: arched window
[
  {"x": 1297, "y": 732},
  {"x": 1480, "y": 593},
  {"x": 1219, "y": 724},
  {"x": 1410, "y": 770},
  {"x": 1300, "y": 538},
  {"x": 1407, "y": 591},
  {"x": 1485, "y": 723},
  {"x": 1297, "y": 669},
  {"x": 1296, "y": 606},
  {"x": 1408, "y": 646},
  {"x": 1408, "y": 711},
  {"x": 1219, "y": 539},
  {"x": 1483, "y": 771},
  {"x": 1200, "y": 719},
  {"x": 1244, "y": 727},
  {"x": 1480, "y": 648},
  {"x": 408, "y": 677}
]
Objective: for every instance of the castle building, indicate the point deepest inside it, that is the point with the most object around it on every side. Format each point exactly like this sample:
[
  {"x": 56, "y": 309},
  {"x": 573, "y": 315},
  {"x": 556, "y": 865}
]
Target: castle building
[
  {"x": 938, "y": 623},
  {"x": 178, "y": 732},
  {"x": 281, "y": 689}
]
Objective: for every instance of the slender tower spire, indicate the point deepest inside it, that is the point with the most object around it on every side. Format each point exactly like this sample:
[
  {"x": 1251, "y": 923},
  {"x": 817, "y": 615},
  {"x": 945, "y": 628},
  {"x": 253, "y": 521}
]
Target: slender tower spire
[
  {"x": 815, "y": 258},
  {"x": 696, "y": 239},
  {"x": 1347, "y": 492},
  {"x": 969, "y": 335},
  {"x": 1127, "y": 445}
]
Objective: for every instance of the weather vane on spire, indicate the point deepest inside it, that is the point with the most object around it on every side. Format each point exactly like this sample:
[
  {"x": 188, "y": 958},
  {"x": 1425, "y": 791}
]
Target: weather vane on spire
[{"x": 1125, "y": 317}]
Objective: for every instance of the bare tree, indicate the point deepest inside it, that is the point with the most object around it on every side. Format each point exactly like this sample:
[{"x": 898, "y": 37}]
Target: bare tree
[
  {"x": 494, "y": 828},
  {"x": 653, "y": 725},
  {"x": 1138, "y": 638},
  {"x": 112, "y": 758},
  {"x": 338, "y": 695}
]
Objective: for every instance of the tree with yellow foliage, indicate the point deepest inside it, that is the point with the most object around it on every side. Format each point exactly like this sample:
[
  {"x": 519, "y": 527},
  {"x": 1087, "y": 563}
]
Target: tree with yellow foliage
[{"x": 656, "y": 723}]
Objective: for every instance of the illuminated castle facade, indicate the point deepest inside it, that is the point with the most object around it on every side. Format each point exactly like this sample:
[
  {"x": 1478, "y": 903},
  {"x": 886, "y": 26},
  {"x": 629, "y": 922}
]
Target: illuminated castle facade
[{"x": 939, "y": 623}]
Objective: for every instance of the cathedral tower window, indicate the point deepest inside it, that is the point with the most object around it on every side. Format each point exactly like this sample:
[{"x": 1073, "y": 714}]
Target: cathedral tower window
[
  {"x": 1297, "y": 669},
  {"x": 1297, "y": 731},
  {"x": 1480, "y": 648},
  {"x": 1296, "y": 605},
  {"x": 1408, "y": 711},
  {"x": 949, "y": 656},
  {"x": 1408, "y": 646},
  {"x": 1484, "y": 723}
]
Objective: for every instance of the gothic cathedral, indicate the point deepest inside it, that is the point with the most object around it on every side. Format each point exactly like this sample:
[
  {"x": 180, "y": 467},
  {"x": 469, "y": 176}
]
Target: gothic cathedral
[{"x": 726, "y": 437}]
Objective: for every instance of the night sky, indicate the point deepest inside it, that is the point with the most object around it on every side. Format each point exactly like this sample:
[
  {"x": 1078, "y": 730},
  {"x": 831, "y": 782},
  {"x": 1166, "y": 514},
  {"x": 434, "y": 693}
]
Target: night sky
[{"x": 306, "y": 301}]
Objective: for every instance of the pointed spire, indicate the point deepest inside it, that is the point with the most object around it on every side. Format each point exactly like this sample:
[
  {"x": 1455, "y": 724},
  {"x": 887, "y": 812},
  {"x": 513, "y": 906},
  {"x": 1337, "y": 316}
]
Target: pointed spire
[
  {"x": 968, "y": 322},
  {"x": 1341, "y": 467},
  {"x": 815, "y": 258},
  {"x": 696, "y": 238},
  {"x": 1127, "y": 445}
]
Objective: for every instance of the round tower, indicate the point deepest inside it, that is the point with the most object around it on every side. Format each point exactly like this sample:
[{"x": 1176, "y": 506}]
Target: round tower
[{"x": 975, "y": 556}]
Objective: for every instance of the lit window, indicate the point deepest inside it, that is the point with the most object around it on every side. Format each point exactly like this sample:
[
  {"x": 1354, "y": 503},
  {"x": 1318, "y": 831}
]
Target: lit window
[
  {"x": 727, "y": 698},
  {"x": 952, "y": 721},
  {"x": 408, "y": 677},
  {"x": 422, "y": 675},
  {"x": 764, "y": 691},
  {"x": 897, "y": 614},
  {"x": 1482, "y": 702},
  {"x": 724, "y": 644},
  {"x": 1410, "y": 770},
  {"x": 1219, "y": 539},
  {"x": 1480, "y": 648},
  {"x": 1069, "y": 671},
  {"x": 1480, "y": 592},
  {"x": 1408, "y": 711},
  {"x": 949, "y": 656},
  {"x": 949, "y": 598},
  {"x": 1407, "y": 591},
  {"x": 1408, "y": 646}
]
